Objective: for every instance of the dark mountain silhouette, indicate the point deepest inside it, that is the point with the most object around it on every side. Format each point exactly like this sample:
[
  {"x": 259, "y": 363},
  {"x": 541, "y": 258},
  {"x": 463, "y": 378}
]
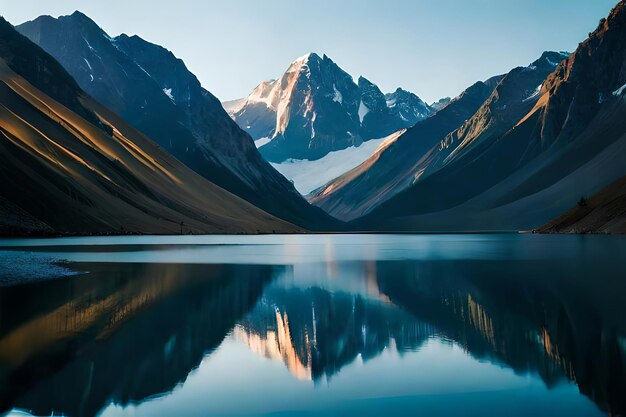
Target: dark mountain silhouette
[
  {"x": 155, "y": 93},
  {"x": 71, "y": 166},
  {"x": 532, "y": 316},
  {"x": 131, "y": 334}
]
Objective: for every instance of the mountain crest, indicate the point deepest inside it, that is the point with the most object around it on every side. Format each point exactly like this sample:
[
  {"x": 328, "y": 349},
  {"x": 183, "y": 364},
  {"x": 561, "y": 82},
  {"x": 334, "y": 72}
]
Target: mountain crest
[
  {"x": 309, "y": 56},
  {"x": 316, "y": 107},
  {"x": 549, "y": 59},
  {"x": 84, "y": 21}
]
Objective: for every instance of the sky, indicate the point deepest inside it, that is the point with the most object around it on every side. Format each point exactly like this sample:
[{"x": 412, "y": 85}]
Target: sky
[{"x": 434, "y": 48}]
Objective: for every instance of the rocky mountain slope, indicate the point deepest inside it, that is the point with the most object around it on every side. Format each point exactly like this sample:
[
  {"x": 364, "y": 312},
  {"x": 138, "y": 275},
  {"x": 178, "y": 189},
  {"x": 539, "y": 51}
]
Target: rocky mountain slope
[
  {"x": 315, "y": 108},
  {"x": 571, "y": 143},
  {"x": 154, "y": 91},
  {"x": 70, "y": 165},
  {"x": 604, "y": 212},
  {"x": 395, "y": 165},
  {"x": 414, "y": 158}
]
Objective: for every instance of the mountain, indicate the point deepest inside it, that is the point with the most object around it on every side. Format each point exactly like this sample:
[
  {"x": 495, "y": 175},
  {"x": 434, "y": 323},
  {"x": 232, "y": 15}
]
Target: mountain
[
  {"x": 407, "y": 106},
  {"x": 154, "y": 91},
  {"x": 70, "y": 165},
  {"x": 393, "y": 167},
  {"x": 495, "y": 107},
  {"x": 315, "y": 108},
  {"x": 571, "y": 143},
  {"x": 441, "y": 103},
  {"x": 113, "y": 321}
]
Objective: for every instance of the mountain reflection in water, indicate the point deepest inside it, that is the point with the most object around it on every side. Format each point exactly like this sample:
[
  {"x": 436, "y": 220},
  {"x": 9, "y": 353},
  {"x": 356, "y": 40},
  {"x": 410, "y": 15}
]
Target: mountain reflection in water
[{"x": 125, "y": 334}]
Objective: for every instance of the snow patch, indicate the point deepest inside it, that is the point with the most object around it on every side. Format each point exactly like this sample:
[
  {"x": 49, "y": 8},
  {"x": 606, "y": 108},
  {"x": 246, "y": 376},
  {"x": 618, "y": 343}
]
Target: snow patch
[
  {"x": 262, "y": 141},
  {"x": 363, "y": 110},
  {"x": 88, "y": 44},
  {"x": 303, "y": 58},
  {"x": 338, "y": 97},
  {"x": 144, "y": 70},
  {"x": 90, "y": 69},
  {"x": 313, "y": 125},
  {"x": 308, "y": 175},
  {"x": 534, "y": 94},
  {"x": 168, "y": 92},
  {"x": 619, "y": 91},
  {"x": 554, "y": 64}
]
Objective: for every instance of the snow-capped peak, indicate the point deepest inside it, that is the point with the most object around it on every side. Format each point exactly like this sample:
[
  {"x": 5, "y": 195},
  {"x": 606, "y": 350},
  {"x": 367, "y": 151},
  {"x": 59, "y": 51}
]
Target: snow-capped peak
[
  {"x": 317, "y": 100},
  {"x": 303, "y": 58}
]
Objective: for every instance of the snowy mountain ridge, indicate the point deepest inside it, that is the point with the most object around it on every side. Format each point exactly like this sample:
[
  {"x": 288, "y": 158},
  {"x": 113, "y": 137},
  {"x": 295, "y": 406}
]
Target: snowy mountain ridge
[{"x": 315, "y": 108}]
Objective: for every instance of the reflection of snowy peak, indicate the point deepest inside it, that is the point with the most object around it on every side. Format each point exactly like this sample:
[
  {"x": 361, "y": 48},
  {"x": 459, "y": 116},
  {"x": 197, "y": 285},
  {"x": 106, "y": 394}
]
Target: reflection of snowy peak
[{"x": 316, "y": 108}]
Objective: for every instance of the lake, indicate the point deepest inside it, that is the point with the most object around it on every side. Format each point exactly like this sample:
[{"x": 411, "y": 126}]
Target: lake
[{"x": 313, "y": 325}]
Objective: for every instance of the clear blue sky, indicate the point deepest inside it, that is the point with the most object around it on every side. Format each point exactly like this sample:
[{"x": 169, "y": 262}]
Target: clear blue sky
[{"x": 434, "y": 48}]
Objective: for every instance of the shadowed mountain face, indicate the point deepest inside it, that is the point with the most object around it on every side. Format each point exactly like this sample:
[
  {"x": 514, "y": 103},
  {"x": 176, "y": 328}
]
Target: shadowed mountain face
[
  {"x": 72, "y": 166},
  {"x": 155, "y": 93},
  {"x": 570, "y": 144},
  {"x": 316, "y": 107}
]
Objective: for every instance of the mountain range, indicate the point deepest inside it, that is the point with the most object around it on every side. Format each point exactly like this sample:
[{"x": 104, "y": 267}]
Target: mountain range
[
  {"x": 315, "y": 108},
  {"x": 70, "y": 165},
  {"x": 106, "y": 134},
  {"x": 483, "y": 111},
  {"x": 515, "y": 170},
  {"x": 155, "y": 93}
]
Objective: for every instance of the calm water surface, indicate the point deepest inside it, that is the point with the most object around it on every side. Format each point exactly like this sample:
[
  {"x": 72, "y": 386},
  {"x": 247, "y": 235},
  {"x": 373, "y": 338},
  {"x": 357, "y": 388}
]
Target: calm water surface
[{"x": 342, "y": 325}]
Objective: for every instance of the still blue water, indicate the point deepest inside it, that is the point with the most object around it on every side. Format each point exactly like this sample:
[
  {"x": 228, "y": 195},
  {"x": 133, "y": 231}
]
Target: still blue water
[{"x": 319, "y": 325}]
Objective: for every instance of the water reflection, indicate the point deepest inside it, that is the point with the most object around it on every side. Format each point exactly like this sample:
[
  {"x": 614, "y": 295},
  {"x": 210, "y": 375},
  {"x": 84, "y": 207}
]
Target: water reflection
[
  {"x": 127, "y": 333},
  {"x": 316, "y": 332},
  {"x": 117, "y": 338},
  {"x": 557, "y": 320}
]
